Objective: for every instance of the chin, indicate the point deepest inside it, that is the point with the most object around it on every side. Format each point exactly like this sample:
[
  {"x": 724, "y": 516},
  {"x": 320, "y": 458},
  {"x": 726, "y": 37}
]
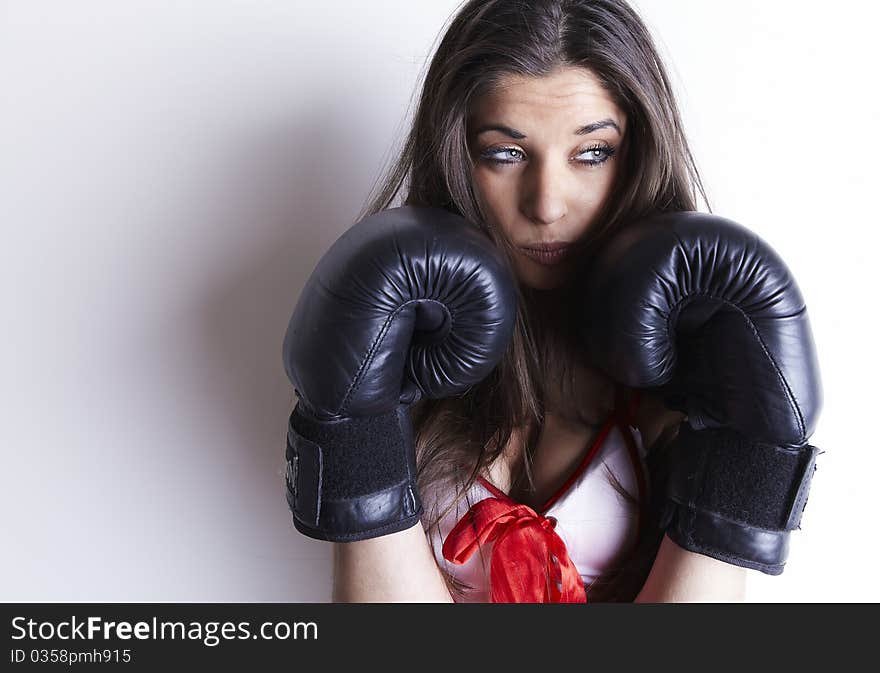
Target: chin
[
  {"x": 543, "y": 284},
  {"x": 546, "y": 281}
]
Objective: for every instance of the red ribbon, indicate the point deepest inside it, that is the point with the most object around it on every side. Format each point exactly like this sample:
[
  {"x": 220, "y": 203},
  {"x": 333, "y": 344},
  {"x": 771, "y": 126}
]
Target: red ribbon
[{"x": 530, "y": 563}]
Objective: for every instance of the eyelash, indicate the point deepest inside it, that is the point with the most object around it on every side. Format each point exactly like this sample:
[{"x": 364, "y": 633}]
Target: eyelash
[{"x": 609, "y": 152}]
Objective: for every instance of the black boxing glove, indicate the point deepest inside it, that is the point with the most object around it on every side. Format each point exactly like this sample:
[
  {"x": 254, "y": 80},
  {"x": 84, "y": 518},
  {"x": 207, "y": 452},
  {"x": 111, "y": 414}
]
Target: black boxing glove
[
  {"x": 408, "y": 302},
  {"x": 702, "y": 310}
]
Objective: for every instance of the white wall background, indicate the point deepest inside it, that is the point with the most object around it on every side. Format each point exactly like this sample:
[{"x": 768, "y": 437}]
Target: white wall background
[{"x": 171, "y": 172}]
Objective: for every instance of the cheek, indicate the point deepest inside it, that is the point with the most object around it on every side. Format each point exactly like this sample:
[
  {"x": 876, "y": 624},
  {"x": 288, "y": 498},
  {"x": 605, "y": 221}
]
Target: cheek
[
  {"x": 599, "y": 181},
  {"x": 595, "y": 190},
  {"x": 495, "y": 194},
  {"x": 490, "y": 184}
]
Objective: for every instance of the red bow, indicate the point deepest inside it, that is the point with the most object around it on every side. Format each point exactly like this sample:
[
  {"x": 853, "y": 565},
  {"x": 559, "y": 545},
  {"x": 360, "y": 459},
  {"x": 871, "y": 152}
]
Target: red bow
[{"x": 530, "y": 563}]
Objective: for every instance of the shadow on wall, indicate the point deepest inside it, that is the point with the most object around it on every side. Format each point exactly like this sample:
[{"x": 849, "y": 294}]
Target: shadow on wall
[{"x": 290, "y": 189}]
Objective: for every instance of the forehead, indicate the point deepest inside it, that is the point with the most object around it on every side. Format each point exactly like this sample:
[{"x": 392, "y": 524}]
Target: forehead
[{"x": 567, "y": 97}]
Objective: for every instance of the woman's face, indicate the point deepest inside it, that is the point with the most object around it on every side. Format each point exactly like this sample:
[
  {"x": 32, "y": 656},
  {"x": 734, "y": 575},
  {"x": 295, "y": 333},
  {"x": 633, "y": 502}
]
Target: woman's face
[{"x": 546, "y": 152}]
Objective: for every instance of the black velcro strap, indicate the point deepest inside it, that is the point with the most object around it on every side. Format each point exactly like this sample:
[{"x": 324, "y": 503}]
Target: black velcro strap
[
  {"x": 351, "y": 478},
  {"x": 721, "y": 472}
]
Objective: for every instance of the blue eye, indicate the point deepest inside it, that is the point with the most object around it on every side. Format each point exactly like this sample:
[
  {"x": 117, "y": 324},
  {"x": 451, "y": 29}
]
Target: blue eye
[
  {"x": 600, "y": 154},
  {"x": 490, "y": 154}
]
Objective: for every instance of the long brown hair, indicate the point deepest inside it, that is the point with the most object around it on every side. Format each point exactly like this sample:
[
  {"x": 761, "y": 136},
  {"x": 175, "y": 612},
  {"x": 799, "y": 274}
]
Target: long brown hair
[{"x": 458, "y": 438}]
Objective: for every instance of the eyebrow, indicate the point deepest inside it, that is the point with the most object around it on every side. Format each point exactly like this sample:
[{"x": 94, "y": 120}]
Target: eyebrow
[{"x": 519, "y": 135}]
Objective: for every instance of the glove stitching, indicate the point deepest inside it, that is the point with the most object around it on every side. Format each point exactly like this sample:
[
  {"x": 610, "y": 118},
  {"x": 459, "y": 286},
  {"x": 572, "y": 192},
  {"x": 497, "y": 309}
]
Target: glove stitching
[
  {"x": 721, "y": 555},
  {"x": 676, "y": 308},
  {"x": 368, "y": 358}
]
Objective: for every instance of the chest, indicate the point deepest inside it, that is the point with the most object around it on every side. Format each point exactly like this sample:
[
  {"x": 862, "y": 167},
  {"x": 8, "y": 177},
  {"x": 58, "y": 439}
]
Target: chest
[{"x": 561, "y": 446}]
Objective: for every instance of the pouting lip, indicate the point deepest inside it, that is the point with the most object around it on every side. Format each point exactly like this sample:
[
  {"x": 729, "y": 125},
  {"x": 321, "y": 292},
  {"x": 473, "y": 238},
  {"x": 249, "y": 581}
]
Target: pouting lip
[
  {"x": 546, "y": 257},
  {"x": 546, "y": 247}
]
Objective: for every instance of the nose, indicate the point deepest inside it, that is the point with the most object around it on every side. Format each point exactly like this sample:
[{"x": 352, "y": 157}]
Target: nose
[{"x": 543, "y": 198}]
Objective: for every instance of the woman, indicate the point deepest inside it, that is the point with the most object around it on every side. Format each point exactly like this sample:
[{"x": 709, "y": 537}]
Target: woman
[{"x": 544, "y": 123}]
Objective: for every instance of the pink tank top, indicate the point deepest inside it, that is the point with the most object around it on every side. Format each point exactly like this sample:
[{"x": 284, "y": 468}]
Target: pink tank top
[{"x": 508, "y": 552}]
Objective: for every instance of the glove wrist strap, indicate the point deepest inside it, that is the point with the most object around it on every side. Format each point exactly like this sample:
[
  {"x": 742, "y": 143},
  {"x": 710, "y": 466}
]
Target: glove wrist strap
[
  {"x": 352, "y": 478},
  {"x": 728, "y": 541},
  {"x": 735, "y": 499}
]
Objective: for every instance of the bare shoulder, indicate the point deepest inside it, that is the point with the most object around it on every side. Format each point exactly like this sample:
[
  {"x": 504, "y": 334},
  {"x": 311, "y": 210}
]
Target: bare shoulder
[{"x": 653, "y": 417}]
